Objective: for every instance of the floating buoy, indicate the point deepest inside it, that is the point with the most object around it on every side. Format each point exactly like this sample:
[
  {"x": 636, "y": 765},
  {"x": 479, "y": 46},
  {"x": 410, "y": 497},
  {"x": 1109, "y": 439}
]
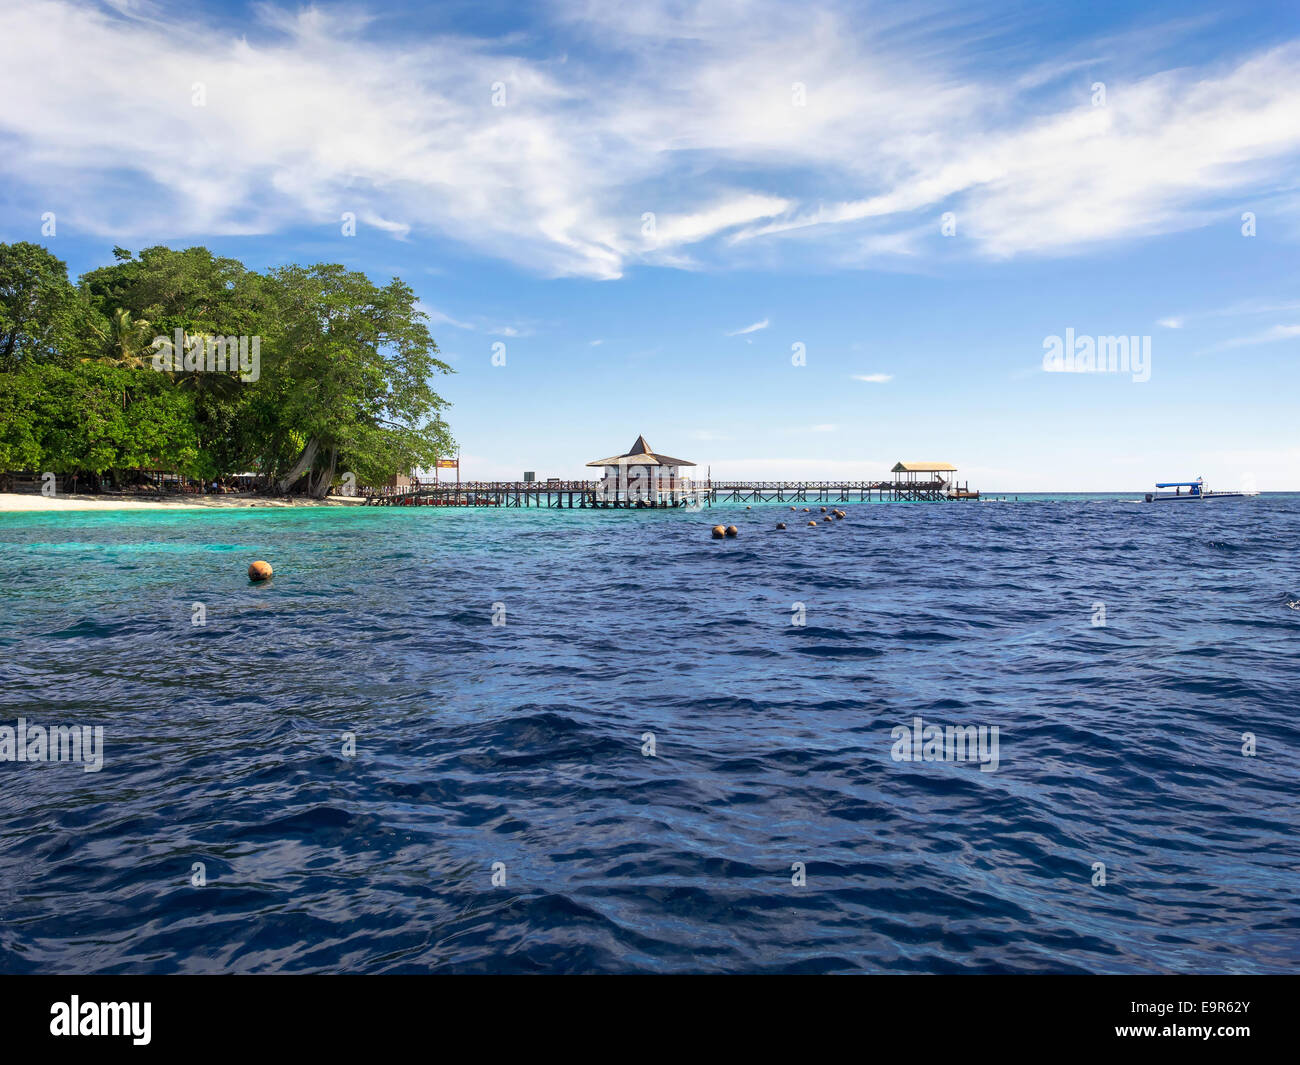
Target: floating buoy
[
  {"x": 732, "y": 531},
  {"x": 719, "y": 531},
  {"x": 812, "y": 523},
  {"x": 823, "y": 510},
  {"x": 793, "y": 508},
  {"x": 805, "y": 510},
  {"x": 259, "y": 571},
  {"x": 780, "y": 525}
]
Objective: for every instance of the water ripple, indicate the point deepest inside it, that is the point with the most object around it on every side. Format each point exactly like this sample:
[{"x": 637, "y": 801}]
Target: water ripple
[{"x": 651, "y": 765}]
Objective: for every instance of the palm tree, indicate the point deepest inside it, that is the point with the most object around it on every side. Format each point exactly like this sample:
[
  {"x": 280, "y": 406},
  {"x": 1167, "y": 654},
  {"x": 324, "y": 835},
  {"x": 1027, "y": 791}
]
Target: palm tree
[
  {"x": 125, "y": 342},
  {"x": 126, "y": 339}
]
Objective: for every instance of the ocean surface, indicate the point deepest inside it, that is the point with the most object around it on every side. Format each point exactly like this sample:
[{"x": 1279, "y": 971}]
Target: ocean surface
[{"x": 647, "y": 765}]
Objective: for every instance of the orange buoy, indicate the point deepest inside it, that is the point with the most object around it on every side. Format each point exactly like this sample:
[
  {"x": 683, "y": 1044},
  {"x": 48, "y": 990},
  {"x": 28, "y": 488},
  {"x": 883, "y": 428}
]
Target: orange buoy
[
  {"x": 812, "y": 523},
  {"x": 719, "y": 531},
  {"x": 780, "y": 525},
  {"x": 823, "y": 510},
  {"x": 732, "y": 531},
  {"x": 793, "y": 508},
  {"x": 259, "y": 571}
]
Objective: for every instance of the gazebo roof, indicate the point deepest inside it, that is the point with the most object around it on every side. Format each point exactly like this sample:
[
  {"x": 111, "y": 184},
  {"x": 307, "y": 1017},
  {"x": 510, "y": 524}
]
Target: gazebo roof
[
  {"x": 924, "y": 467},
  {"x": 640, "y": 455}
]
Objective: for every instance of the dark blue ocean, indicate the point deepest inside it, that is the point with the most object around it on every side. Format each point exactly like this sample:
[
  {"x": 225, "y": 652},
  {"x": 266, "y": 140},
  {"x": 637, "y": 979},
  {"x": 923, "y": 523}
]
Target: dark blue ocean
[{"x": 771, "y": 829}]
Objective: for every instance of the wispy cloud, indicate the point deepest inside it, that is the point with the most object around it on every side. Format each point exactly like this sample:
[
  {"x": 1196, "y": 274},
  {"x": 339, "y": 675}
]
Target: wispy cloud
[
  {"x": 749, "y": 328},
  {"x": 1241, "y": 309},
  {"x": 1268, "y": 336},
  {"x": 438, "y": 317},
  {"x": 683, "y": 112},
  {"x": 873, "y": 378}
]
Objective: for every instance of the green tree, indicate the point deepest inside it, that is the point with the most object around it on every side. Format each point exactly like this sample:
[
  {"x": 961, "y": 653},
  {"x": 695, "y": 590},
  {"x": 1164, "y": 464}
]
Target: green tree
[
  {"x": 41, "y": 316},
  {"x": 20, "y": 443},
  {"x": 345, "y": 375},
  {"x": 348, "y": 375}
]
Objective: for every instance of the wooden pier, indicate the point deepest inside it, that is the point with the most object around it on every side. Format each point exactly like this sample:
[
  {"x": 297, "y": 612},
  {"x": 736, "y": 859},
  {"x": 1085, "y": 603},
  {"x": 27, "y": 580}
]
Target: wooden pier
[
  {"x": 641, "y": 479},
  {"x": 583, "y": 495},
  {"x": 554, "y": 495},
  {"x": 826, "y": 491}
]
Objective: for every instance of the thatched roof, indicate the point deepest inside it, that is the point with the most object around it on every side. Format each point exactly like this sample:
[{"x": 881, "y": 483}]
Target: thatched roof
[
  {"x": 640, "y": 455},
  {"x": 924, "y": 467}
]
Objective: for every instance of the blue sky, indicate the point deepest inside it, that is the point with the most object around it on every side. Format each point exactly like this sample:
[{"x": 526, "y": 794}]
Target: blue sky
[{"x": 650, "y": 206}]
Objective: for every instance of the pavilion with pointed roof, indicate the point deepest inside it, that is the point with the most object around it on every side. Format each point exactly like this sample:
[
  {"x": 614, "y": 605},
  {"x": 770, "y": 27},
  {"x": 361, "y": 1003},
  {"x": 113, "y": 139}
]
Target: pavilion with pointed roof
[
  {"x": 640, "y": 454},
  {"x": 643, "y": 477}
]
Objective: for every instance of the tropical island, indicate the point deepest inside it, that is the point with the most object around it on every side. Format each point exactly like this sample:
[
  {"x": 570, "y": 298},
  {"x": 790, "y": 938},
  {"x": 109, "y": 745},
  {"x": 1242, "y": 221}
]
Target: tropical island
[{"x": 293, "y": 381}]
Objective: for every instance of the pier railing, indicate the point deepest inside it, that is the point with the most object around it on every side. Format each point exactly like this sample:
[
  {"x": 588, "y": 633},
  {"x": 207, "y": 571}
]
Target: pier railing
[
  {"x": 676, "y": 484},
  {"x": 648, "y": 491}
]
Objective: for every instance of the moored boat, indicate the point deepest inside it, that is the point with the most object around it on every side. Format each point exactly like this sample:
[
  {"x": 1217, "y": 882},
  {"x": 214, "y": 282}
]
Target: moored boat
[{"x": 1196, "y": 492}]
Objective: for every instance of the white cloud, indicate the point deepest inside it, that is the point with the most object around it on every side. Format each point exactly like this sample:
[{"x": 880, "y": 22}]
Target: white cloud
[
  {"x": 674, "y": 230},
  {"x": 437, "y": 317},
  {"x": 873, "y": 378},
  {"x": 749, "y": 329},
  {"x": 684, "y": 111},
  {"x": 1171, "y": 323},
  {"x": 1269, "y": 336}
]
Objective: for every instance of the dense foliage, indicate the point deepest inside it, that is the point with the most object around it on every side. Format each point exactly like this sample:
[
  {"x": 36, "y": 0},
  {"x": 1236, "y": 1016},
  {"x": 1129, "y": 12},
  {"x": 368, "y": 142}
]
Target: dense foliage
[{"x": 340, "y": 382}]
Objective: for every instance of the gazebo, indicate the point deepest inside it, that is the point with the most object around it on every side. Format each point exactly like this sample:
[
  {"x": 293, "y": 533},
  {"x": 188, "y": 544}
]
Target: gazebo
[
  {"x": 922, "y": 480},
  {"x": 642, "y": 477}
]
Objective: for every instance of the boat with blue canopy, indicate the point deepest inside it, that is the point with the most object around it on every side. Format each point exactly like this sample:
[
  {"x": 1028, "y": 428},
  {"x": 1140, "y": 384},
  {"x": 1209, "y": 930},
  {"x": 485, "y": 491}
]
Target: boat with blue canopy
[{"x": 1190, "y": 492}]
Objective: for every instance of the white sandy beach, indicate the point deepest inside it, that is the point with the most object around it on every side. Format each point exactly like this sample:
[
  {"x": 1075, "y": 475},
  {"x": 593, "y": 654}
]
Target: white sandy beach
[{"x": 15, "y": 502}]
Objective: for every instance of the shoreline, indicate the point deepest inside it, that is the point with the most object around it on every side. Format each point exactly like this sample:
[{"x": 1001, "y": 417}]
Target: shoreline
[{"x": 29, "y": 502}]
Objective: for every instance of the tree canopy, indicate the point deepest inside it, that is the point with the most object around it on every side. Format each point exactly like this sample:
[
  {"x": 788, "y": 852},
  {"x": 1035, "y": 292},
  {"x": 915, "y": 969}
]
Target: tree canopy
[{"x": 335, "y": 375}]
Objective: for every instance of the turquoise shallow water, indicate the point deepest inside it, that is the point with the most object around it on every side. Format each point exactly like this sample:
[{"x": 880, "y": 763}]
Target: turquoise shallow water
[{"x": 523, "y": 743}]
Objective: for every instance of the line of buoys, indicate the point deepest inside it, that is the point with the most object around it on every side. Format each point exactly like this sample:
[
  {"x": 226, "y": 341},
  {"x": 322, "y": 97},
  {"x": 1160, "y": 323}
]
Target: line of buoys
[
  {"x": 720, "y": 532},
  {"x": 260, "y": 571}
]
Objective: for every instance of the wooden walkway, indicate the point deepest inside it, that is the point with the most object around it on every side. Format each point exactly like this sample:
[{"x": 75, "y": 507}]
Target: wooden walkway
[
  {"x": 555, "y": 495},
  {"x": 827, "y": 491},
  {"x": 583, "y": 495}
]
